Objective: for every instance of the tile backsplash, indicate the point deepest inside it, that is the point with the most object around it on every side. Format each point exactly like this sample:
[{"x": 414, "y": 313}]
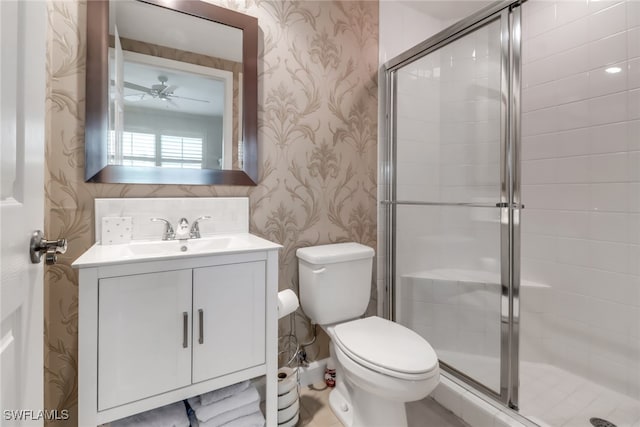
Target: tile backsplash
[
  {"x": 115, "y": 230},
  {"x": 228, "y": 214}
]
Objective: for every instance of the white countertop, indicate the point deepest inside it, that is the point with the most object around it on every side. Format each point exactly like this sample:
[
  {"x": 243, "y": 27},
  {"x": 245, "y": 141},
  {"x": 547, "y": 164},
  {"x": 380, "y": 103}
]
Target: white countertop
[{"x": 144, "y": 250}]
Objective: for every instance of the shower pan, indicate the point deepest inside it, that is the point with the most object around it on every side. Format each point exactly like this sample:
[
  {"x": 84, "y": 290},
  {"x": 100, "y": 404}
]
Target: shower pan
[{"x": 532, "y": 103}]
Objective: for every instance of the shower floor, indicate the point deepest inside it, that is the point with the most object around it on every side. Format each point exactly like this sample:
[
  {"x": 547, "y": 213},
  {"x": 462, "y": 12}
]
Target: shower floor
[
  {"x": 561, "y": 399},
  {"x": 551, "y": 396}
]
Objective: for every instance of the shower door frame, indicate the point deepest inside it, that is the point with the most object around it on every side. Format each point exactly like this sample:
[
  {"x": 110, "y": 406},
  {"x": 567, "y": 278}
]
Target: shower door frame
[{"x": 509, "y": 14}]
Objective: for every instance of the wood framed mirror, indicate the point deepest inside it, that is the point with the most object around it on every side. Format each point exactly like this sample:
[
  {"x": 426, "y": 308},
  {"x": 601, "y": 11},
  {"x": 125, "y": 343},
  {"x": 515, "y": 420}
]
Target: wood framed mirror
[{"x": 137, "y": 89}]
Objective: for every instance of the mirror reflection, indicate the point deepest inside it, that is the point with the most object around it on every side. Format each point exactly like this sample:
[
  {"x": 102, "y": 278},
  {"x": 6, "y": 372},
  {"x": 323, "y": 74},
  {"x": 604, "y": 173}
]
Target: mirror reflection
[{"x": 175, "y": 101}]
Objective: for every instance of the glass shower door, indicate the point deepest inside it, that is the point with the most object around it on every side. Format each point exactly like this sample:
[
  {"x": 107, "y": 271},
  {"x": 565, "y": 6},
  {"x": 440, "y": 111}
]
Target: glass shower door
[{"x": 449, "y": 200}]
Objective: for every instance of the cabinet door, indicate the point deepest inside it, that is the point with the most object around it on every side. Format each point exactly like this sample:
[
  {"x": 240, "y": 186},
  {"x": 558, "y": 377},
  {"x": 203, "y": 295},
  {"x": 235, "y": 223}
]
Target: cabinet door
[
  {"x": 144, "y": 330},
  {"x": 229, "y": 304}
]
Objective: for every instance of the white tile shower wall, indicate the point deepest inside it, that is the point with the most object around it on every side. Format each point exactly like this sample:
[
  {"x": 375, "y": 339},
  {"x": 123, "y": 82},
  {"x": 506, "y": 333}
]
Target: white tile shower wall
[
  {"x": 455, "y": 315},
  {"x": 448, "y": 122},
  {"x": 580, "y": 150},
  {"x": 458, "y": 312},
  {"x": 403, "y": 26},
  {"x": 228, "y": 214},
  {"x": 415, "y": 27}
]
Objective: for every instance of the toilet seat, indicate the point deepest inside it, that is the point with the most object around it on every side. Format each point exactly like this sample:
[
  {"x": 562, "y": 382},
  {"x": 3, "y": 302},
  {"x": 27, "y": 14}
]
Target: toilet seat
[{"x": 386, "y": 347}]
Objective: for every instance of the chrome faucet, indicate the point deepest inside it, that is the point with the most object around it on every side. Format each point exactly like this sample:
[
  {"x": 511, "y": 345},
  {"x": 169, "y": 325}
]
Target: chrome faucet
[
  {"x": 183, "y": 232},
  {"x": 168, "y": 234},
  {"x": 195, "y": 228}
]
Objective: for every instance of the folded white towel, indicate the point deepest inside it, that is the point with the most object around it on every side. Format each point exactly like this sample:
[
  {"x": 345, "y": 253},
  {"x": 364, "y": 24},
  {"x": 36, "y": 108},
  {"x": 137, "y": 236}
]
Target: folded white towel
[
  {"x": 240, "y": 400},
  {"x": 216, "y": 395},
  {"x": 174, "y": 415},
  {"x": 252, "y": 420},
  {"x": 229, "y": 416}
]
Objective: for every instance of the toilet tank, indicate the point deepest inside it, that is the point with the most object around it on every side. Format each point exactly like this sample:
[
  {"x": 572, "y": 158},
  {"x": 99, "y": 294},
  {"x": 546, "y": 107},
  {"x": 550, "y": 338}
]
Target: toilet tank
[{"x": 335, "y": 281}]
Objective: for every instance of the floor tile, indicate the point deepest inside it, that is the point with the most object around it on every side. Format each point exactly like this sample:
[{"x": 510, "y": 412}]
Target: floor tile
[
  {"x": 428, "y": 412},
  {"x": 315, "y": 411},
  {"x": 561, "y": 398}
]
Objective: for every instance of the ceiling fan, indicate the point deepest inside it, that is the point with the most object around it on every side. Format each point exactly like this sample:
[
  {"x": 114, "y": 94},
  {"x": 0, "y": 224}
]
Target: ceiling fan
[{"x": 158, "y": 91}]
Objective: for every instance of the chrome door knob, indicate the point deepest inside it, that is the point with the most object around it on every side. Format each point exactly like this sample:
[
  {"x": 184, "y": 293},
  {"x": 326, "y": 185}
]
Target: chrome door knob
[{"x": 39, "y": 245}]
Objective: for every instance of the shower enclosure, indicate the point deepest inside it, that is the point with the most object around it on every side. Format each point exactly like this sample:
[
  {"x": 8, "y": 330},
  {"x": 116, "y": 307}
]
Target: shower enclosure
[
  {"x": 531, "y": 103},
  {"x": 453, "y": 176}
]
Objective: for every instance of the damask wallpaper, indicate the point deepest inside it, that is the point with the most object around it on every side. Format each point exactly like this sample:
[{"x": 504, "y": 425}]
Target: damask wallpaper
[{"x": 317, "y": 136}]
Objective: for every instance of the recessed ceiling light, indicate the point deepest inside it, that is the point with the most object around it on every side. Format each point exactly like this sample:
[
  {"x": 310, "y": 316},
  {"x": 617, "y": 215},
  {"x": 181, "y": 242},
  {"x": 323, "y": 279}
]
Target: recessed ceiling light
[{"x": 613, "y": 70}]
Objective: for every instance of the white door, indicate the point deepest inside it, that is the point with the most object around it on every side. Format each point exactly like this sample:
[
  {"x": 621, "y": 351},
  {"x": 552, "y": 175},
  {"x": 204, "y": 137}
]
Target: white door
[{"x": 22, "y": 107}]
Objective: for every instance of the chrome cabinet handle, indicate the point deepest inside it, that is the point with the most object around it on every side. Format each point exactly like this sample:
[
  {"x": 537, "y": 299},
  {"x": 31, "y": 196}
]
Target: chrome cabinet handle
[
  {"x": 185, "y": 329},
  {"x": 201, "y": 326},
  {"x": 39, "y": 245}
]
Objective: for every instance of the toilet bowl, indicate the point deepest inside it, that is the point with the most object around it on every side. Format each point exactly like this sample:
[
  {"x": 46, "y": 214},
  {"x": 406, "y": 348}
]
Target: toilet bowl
[{"x": 380, "y": 365}]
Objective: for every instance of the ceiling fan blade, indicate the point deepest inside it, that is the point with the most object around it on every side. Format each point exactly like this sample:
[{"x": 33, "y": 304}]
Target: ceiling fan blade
[
  {"x": 137, "y": 87},
  {"x": 189, "y": 99},
  {"x": 168, "y": 90},
  {"x": 173, "y": 104},
  {"x": 135, "y": 97}
]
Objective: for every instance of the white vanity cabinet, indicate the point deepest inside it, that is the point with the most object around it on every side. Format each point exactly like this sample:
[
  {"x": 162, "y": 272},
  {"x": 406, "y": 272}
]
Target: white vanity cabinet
[{"x": 153, "y": 332}]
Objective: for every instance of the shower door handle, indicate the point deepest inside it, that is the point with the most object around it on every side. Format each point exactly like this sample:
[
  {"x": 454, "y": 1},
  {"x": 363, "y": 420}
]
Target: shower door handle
[{"x": 506, "y": 205}]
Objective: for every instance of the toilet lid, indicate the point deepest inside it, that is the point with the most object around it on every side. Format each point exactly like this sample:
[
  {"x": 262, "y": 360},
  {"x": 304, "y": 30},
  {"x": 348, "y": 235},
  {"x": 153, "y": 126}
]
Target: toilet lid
[{"x": 380, "y": 343}]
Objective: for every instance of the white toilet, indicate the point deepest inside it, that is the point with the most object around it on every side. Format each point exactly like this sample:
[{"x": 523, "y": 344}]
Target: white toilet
[{"x": 380, "y": 364}]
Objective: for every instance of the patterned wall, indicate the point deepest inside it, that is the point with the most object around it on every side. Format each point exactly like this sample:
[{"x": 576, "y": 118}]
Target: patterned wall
[{"x": 318, "y": 132}]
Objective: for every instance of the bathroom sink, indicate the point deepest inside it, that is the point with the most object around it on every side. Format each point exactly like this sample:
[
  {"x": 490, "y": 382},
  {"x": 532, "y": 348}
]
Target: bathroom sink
[
  {"x": 150, "y": 250},
  {"x": 191, "y": 246}
]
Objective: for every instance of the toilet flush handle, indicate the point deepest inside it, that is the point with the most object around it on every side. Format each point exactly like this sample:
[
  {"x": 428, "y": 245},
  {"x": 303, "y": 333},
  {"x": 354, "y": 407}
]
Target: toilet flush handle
[{"x": 319, "y": 271}]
